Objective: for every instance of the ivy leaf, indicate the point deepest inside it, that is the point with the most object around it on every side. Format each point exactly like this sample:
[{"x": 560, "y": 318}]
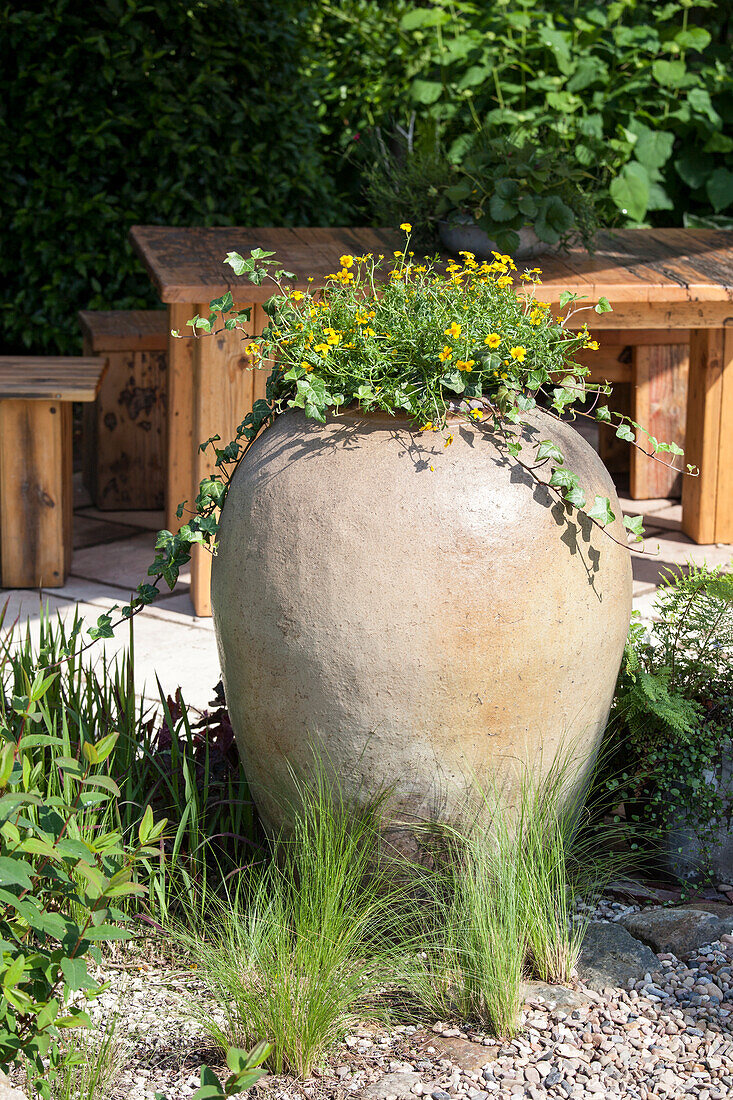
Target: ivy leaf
[
  {"x": 601, "y": 511},
  {"x": 603, "y": 415},
  {"x": 575, "y": 497},
  {"x": 548, "y": 449},
  {"x": 454, "y": 381},
  {"x": 603, "y": 306},
  {"x": 564, "y": 479},
  {"x": 623, "y": 431},
  {"x": 635, "y": 526}
]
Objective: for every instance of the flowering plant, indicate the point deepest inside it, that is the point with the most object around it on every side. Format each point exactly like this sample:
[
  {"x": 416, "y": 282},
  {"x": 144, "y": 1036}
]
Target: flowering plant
[{"x": 410, "y": 337}]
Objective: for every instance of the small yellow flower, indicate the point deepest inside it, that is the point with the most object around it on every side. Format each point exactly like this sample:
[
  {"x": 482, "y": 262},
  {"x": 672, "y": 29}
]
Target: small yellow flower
[
  {"x": 448, "y": 441},
  {"x": 346, "y": 261},
  {"x": 322, "y": 349},
  {"x": 297, "y": 295},
  {"x": 252, "y": 349},
  {"x": 477, "y": 414},
  {"x": 493, "y": 340},
  {"x": 453, "y": 330},
  {"x": 518, "y": 352},
  {"x": 465, "y": 364},
  {"x": 406, "y": 227},
  {"x": 427, "y": 426},
  {"x": 592, "y": 345},
  {"x": 504, "y": 280},
  {"x": 446, "y": 353},
  {"x": 333, "y": 337},
  {"x": 369, "y": 332},
  {"x": 306, "y": 366}
]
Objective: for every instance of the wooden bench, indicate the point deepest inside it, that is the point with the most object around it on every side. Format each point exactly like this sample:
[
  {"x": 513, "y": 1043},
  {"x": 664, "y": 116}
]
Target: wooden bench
[
  {"x": 649, "y": 371},
  {"x": 125, "y": 429},
  {"x": 36, "y": 491}
]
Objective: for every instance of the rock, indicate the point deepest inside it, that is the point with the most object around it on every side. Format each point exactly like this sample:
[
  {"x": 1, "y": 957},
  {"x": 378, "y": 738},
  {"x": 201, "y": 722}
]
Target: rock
[
  {"x": 681, "y": 931},
  {"x": 557, "y": 995},
  {"x": 471, "y": 1057},
  {"x": 392, "y": 1084},
  {"x": 612, "y": 957},
  {"x": 8, "y": 1090}
]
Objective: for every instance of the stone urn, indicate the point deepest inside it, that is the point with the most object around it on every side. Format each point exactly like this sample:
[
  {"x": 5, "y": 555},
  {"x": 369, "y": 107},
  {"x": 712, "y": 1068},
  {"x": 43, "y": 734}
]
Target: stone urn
[{"x": 425, "y": 616}]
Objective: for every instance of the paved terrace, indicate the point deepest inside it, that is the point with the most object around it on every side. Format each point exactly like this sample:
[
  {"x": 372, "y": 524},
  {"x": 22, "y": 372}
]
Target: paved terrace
[{"x": 113, "y": 550}]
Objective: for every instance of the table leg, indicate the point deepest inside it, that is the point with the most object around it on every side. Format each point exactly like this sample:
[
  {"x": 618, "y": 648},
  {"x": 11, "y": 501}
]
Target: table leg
[
  {"x": 658, "y": 400},
  {"x": 707, "y": 500},
  {"x": 180, "y": 449},
  {"x": 223, "y": 392}
]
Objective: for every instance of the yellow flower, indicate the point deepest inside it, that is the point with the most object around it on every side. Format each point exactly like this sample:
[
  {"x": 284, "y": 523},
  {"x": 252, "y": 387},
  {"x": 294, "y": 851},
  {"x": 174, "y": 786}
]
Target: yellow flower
[
  {"x": 465, "y": 364},
  {"x": 428, "y": 425},
  {"x": 535, "y": 317},
  {"x": 297, "y": 295},
  {"x": 504, "y": 280},
  {"x": 346, "y": 261},
  {"x": 477, "y": 414},
  {"x": 592, "y": 345},
  {"x": 453, "y": 330},
  {"x": 448, "y": 441},
  {"x": 406, "y": 227},
  {"x": 252, "y": 349},
  {"x": 333, "y": 337},
  {"x": 446, "y": 353},
  {"x": 369, "y": 332},
  {"x": 322, "y": 349},
  {"x": 518, "y": 353},
  {"x": 306, "y": 366},
  {"x": 468, "y": 255},
  {"x": 493, "y": 340}
]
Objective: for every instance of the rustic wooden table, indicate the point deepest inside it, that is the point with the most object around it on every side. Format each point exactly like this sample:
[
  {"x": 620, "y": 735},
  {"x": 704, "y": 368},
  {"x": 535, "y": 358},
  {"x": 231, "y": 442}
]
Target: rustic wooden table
[{"x": 655, "y": 279}]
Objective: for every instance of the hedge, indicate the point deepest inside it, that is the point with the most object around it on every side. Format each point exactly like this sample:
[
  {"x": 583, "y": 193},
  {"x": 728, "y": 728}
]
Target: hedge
[{"x": 144, "y": 111}]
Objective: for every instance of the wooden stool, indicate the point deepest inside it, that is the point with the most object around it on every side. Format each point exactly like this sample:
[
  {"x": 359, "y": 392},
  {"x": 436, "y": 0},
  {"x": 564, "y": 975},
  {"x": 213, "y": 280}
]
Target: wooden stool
[
  {"x": 125, "y": 430},
  {"x": 649, "y": 370},
  {"x": 36, "y": 492}
]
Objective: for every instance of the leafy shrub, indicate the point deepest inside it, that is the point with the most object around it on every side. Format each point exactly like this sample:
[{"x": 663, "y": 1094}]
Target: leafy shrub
[
  {"x": 134, "y": 111},
  {"x": 641, "y": 90},
  {"x": 59, "y": 893},
  {"x": 185, "y": 770},
  {"x": 673, "y": 712}
]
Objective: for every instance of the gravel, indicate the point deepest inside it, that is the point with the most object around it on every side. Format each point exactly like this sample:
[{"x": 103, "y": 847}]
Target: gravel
[{"x": 668, "y": 1036}]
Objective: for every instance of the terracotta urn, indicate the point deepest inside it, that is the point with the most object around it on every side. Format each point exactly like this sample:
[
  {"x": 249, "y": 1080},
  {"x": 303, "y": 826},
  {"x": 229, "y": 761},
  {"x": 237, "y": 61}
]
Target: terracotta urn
[{"x": 425, "y": 615}]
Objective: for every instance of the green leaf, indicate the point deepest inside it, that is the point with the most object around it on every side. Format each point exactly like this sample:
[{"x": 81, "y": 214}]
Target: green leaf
[
  {"x": 420, "y": 18},
  {"x": 630, "y": 191},
  {"x": 720, "y": 189},
  {"x": 635, "y": 526},
  {"x": 548, "y": 449},
  {"x": 426, "y": 91},
  {"x": 575, "y": 496},
  {"x": 15, "y": 872},
  {"x": 76, "y": 975},
  {"x": 601, "y": 511},
  {"x": 554, "y": 220},
  {"x": 623, "y": 431},
  {"x": 670, "y": 74},
  {"x": 603, "y": 306}
]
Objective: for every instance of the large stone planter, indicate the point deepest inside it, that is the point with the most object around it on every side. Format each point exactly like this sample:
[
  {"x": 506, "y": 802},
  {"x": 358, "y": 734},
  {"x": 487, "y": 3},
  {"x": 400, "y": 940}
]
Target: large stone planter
[{"x": 425, "y": 614}]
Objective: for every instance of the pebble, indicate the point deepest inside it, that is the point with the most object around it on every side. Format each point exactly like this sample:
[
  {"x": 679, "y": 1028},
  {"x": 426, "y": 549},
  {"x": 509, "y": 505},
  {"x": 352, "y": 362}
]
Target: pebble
[{"x": 667, "y": 1037}]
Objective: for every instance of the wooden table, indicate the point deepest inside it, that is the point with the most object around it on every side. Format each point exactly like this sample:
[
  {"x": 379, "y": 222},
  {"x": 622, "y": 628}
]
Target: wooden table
[{"x": 655, "y": 279}]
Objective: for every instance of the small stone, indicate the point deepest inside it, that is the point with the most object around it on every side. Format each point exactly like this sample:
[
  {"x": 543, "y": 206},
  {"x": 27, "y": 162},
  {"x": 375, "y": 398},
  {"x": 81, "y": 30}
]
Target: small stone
[
  {"x": 392, "y": 1084},
  {"x": 440, "y": 1094}
]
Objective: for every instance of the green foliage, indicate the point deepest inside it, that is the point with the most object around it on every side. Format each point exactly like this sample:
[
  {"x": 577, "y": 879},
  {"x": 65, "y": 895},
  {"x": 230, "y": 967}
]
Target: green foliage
[
  {"x": 60, "y": 894},
  {"x": 499, "y": 184},
  {"x": 638, "y": 91},
  {"x": 303, "y": 950},
  {"x": 186, "y": 771},
  {"x": 674, "y": 705},
  {"x": 134, "y": 111},
  {"x": 245, "y": 1072}
]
